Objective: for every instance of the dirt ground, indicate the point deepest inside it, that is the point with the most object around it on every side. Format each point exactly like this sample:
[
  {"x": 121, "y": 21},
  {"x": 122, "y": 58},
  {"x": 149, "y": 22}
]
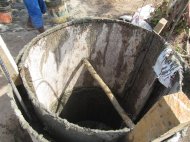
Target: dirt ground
[
  {"x": 16, "y": 35},
  {"x": 106, "y": 8}
]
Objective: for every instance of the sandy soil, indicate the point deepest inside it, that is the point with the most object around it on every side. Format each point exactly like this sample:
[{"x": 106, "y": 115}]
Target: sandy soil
[{"x": 106, "y": 8}]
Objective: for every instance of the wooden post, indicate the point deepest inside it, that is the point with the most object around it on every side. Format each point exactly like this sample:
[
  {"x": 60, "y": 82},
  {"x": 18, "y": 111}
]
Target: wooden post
[
  {"x": 9, "y": 62},
  {"x": 168, "y": 116},
  {"x": 110, "y": 95},
  {"x": 160, "y": 26}
]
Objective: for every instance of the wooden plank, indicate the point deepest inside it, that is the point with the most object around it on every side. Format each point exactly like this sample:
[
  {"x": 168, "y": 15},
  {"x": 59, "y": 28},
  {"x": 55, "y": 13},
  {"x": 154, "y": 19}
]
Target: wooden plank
[
  {"x": 160, "y": 26},
  {"x": 168, "y": 116},
  {"x": 9, "y": 62},
  {"x": 109, "y": 94}
]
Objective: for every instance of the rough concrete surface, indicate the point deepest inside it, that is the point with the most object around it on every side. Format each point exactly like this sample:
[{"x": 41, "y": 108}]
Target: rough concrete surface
[
  {"x": 16, "y": 35},
  {"x": 8, "y": 121},
  {"x": 7, "y": 117}
]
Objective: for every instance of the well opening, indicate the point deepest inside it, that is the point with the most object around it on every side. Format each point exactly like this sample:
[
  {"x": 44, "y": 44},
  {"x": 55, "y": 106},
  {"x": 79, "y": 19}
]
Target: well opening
[
  {"x": 90, "y": 108},
  {"x": 67, "y": 99}
]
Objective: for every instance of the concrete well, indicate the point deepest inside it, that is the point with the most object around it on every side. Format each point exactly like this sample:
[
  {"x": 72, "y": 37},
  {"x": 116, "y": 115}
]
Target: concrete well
[{"x": 65, "y": 97}]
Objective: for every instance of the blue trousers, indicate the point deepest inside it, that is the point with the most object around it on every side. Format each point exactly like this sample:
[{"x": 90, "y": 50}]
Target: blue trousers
[{"x": 36, "y": 8}]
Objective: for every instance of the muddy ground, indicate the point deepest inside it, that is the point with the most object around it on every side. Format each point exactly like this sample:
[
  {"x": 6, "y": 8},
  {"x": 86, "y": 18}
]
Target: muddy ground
[{"x": 16, "y": 35}]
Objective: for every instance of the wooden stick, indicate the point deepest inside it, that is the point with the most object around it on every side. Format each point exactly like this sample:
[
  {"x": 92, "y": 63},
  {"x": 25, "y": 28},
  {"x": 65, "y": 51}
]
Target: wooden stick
[
  {"x": 160, "y": 26},
  {"x": 185, "y": 56},
  {"x": 9, "y": 62},
  {"x": 188, "y": 44},
  {"x": 176, "y": 21},
  {"x": 110, "y": 95}
]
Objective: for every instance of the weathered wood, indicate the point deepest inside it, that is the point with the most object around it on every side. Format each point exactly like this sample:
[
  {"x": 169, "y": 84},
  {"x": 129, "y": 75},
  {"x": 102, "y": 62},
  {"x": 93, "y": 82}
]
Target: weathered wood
[
  {"x": 168, "y": 116},
  {"x": 160, "y": 26},
  {"x": 109, "y": 94},
  {"x": 174, "y": 12},
  {"x": 9, "y": 62},
  {"x": 174, "y": 9}
]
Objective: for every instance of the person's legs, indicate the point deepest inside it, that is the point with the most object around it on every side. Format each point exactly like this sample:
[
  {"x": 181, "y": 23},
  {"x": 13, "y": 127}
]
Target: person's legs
[
  {"x": 42, "y": 6},
  {"x": 29, "y": 23},
  {"x": 35, "y": 14}
]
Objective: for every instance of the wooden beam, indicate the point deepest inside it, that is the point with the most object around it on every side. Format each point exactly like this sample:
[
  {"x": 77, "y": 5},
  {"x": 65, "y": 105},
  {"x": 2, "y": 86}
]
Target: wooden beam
[
  {"x": 168, "y": 116},
  {"x": 110, "y": 95},
  {"x": 160, "y": 26},
  {"x": 9, "y": 62}
]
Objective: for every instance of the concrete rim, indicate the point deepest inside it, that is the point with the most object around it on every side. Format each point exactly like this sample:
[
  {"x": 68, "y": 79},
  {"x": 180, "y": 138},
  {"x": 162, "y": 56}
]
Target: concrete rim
[{"x": 50, "y": 31}]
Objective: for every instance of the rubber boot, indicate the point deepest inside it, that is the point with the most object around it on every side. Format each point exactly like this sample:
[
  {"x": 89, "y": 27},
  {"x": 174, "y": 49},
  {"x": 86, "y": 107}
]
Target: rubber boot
[{"x": 41, "y": 30}]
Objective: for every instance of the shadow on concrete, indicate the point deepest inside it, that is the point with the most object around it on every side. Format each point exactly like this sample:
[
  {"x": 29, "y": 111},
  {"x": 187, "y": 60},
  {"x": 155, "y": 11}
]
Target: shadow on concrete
[{"x": 8, "y": 123}]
